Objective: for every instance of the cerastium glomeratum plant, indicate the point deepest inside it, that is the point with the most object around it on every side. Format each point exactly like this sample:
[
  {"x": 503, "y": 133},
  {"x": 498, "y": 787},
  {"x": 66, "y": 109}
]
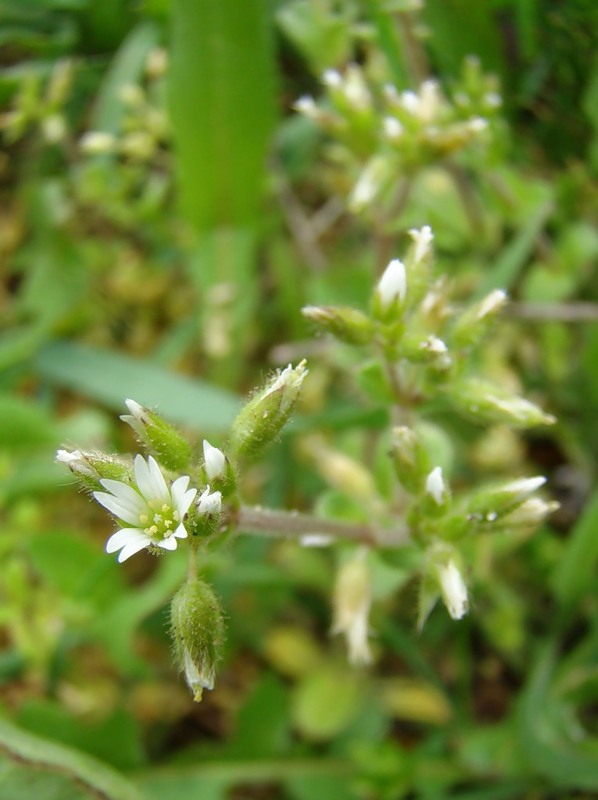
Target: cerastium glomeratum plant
[{"x": 422, "y": 344}]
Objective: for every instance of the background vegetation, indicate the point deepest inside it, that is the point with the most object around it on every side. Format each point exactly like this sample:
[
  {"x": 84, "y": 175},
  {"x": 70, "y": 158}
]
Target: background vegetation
[{"x": 165, "y": 215}]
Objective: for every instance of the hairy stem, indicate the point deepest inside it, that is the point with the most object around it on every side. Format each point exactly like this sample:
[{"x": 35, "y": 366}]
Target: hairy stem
[{"x": 269, "y": 522}]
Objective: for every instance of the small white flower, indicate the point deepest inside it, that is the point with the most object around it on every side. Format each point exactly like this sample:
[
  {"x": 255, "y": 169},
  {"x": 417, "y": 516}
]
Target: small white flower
[
  {"x": 76, "y": 462},
  {"x": 209, "y": 502},
  {"x": 392, "y": 128},
  {"x": 154, "y": 511},
  {"x": 435, "y": 485},
  {"x": 352, "y": 600},
  {"x": 137, "y": 418},
  {"x": 524, "y": 486},
  {"x": 332, "y": 78},
  {"x": 215, "y": 461},
  {"x": 306, "y": 105},
  {"x": 477, "y": 124},
  {"x": 96, "y": 142},
  {"x": 492, "y": 303},
  {"x": 422, "y": 238},
  {"x": 392, "y": 286},
  {"x": 289, "y": 380},
  {"x": 453, "y": 588},
  {"x": 410, "y": 102}
]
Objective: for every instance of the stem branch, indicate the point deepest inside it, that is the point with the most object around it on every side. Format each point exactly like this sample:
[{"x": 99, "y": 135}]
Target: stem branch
[{"x": 269, "y": 522}]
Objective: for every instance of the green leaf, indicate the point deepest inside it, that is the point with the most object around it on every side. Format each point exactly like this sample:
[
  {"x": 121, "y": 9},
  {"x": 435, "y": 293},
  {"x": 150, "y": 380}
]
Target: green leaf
[
  {"x": 127, "y": 66},
  {"x": 515, "y": 255},
  {"x": 25, "y": 425},
  {"x": 34, "y": 767},
  {"x": 110, "y": 378},
  {"x": 221, "y": 97},
  {"x": 117, "y": 624},
  {"x": 544, "y": 741},
  {"x": 575, "y": 575},
  {"x": 326, "y": 701}
]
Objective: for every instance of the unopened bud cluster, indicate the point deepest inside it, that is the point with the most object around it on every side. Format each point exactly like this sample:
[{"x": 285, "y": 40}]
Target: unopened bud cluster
[
  {"x": 425, "y": 342},
  {"x": 380, "y": 131}
]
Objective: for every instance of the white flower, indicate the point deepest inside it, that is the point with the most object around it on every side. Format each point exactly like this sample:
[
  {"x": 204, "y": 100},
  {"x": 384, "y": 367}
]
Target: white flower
[
  {"x": 307, "y": 105},
  {"x": 392, "y": 128},
  {"x": 423, "y": 240},
  {"x": 289, "y": 380},
  {"x": 76, "y": 462},
  {"x": 154, "y": 511},
  {"x": 215, "y": 461},
  {"x": 435, "y": 485},
  {"x": 453, "y": 588},
  {"x": 492, "y": 303},
  {"x": 209, "y": 502},
  {"x": 352, "y": 600},
  {"x": 392, "y": 286}
]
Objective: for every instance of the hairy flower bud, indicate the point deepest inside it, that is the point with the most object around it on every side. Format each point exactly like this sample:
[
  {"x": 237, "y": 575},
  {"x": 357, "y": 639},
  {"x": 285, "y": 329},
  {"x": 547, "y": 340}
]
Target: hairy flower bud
[
  {"x": 346, "y": 324},
  {"x": 90, "y": 468},
  {"x": 486, "y": 402},
  {"x": 163, "y": 440},
  {"x": 410, "y": 458},
  {"x": 261, "y": 419},
  {"x": 197, "y": 629},
  {"x": 475, "y": 322}
]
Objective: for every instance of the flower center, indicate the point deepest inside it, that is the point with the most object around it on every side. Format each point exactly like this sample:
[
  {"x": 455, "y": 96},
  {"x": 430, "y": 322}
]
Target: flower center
[{"x": 160, "y": 521}]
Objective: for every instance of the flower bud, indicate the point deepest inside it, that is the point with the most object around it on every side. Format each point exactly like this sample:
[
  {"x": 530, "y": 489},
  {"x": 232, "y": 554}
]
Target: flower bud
[
  {"x": 262, "y": 418},
  {"x": 374, "y": 177},
  {"x": 491, "y": 503},
  {"x": 486, "y": 402},
  {"x": 204, "y": 516},
  {"x": 352, "y": 599},
  {"x": 410, "y": 458},
  {"x": 214, "y": 461},
  {"x": 531, "y": 513},
  {"x": 453, "y": 589},
  {"x": 449, "y": 580},
  {"x": 97, "y": 143},
  {"x": 427, "y": 350},
  {"x": 474, "y": 322},
  {"x": 346, "y": 324},
  {"x": 163, "y": 440},
  {"x": 90, "y": 468},
  {"x": 422, "y": 243},
  {"x": 197, "y": 629},
  {"x": 436, "y": 487},
  {"x": 389, "y": 296}
]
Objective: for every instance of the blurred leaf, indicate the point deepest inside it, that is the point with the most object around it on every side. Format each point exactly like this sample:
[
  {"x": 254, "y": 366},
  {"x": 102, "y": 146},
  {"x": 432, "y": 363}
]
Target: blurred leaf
[
  {"x": 115, "y": 739},
  {"x": 126, "y": 68},
  {"x": 25, "y": 425},
  {"x": 210, "y": 780},
  {"x": 263, "y": 728},
  {"x": 510, "y": 263},
  {"x": 118, "y": 622},
  {"x": 34, "y": 767},
  {"x": 326, "y": 701},
  {"x": 321, "y": 31},
  {"x": 576, "y": 571},
  {"x": 76, "y": 566},
  {"x": 110, "y": 378},
  {"x": 221, "y": 96},
  {"x": 545, "y": 743},
  {"x": 476, "y": 32}
]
